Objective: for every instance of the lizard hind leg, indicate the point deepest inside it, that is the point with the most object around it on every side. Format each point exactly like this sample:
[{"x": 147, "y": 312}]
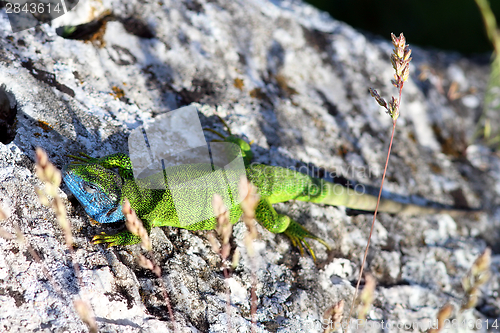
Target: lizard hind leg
[{"x": 279, "y": 223}]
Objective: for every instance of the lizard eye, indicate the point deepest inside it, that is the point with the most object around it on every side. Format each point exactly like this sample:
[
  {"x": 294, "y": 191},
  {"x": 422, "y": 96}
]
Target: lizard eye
[{"x": 90, "y": 188}]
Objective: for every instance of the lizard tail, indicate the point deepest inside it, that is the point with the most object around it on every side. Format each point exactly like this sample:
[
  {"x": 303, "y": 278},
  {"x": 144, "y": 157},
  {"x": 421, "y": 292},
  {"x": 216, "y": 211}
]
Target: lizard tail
[
  {"x": 338, "y": 195},
  {"x": 281, "y": 184}
]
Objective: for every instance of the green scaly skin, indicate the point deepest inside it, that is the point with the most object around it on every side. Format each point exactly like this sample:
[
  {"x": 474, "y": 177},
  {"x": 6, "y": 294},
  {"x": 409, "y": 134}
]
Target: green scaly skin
[{"x": 275, "y": 184}]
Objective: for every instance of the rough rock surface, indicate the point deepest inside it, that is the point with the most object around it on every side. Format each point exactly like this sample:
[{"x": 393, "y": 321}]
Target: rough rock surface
[{"x": 293, "y": 80}]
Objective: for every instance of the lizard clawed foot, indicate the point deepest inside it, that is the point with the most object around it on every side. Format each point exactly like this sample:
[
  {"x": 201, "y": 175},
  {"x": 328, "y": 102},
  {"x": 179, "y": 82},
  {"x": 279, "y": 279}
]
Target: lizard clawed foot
[
  {"x": 103, "y": 238},
  {"x": 121, "y": 238},
  {"x": 297, "y": 234}
]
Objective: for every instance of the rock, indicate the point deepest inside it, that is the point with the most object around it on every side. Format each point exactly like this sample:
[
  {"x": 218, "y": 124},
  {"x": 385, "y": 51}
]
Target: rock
[{"x": 296, "y": 82}]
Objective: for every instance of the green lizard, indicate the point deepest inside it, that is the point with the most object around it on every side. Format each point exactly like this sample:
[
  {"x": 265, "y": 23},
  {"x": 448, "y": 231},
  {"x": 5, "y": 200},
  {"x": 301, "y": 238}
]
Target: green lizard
[{"x": 101, "y": 185}]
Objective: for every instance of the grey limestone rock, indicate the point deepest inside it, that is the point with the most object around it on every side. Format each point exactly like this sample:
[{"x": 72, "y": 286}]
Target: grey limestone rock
[{"x": 296, "y": 82}]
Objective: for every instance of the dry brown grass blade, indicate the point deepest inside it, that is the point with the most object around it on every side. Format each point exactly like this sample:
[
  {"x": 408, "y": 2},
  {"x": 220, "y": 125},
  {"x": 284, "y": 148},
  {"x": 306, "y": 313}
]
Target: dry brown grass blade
[
  {"x": 477, "y": 276},
  {"x": 52, "y": 178},
  {"x": 333, "y": 317},
  {"x": 444, "y": 313}
]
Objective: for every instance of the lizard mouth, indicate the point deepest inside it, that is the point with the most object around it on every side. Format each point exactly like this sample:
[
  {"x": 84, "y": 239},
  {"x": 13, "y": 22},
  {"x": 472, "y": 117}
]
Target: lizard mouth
[{"x": 111, "y": 211}]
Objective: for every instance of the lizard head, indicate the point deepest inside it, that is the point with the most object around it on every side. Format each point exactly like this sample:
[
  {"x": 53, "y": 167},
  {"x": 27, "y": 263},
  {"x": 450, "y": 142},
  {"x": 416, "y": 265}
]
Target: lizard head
[{"x": 98, "y": 190}]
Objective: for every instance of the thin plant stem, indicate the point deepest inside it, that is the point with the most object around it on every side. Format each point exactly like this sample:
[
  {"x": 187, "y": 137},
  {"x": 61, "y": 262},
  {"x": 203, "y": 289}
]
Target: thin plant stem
[
  {"x": 400, "y": 60},
  {"x": 253, "y": 309},
  {"x": 373, "y": 222},
  {"x": 224, "y": 228},
  {"x": 164, "y": 292},
  {"x": 228, "y": 297},
  {"x": 248, "y": 205},
  {"x": 136, "y": 227}
]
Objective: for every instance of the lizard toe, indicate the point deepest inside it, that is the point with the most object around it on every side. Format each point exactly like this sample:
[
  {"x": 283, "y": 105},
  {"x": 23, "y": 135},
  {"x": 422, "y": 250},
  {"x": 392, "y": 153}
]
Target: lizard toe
[
  {"x": 297, "y": 234},
  {"x": 306, "y": 244},
  {"x": 108, "y": 240}
]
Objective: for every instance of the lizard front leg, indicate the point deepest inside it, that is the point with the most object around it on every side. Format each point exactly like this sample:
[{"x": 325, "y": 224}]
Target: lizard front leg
[{"x": 124, "y": 237}]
